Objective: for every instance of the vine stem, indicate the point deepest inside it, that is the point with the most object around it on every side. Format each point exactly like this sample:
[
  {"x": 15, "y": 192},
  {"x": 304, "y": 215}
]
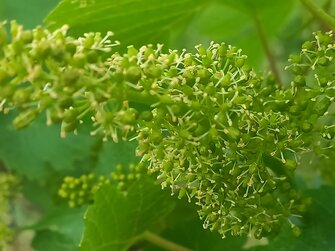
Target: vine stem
[
  {"x": 266, "y": 47},
  {"x": 141, "y": 97},
  {"x": 163, "y": 243},
  {"x": 319, "y": 13}
]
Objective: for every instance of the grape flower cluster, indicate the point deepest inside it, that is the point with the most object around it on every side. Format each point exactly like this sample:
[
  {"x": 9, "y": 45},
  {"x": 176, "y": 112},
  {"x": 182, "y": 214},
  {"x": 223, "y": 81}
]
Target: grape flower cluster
[
  {"x": 80, "y": 191},
  {"x": 210, "y": 128},
  {"x": 9, "y": 187},
  {"x": 314, "y": 87}
]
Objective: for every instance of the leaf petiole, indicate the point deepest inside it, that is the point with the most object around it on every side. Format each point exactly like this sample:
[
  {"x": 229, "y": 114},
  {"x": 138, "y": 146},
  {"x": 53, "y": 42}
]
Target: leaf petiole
[
  {"x": 319, "y": 13},
  {"x": 163, "y": 243}
]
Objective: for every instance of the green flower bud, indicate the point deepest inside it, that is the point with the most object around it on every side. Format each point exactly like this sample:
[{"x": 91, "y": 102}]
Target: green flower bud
[
  {"x": 203, "y": 74},
  {"x": 207, "y": 61},
  {"x": 295, "y": 59},
  {"x": 188, "y": 60},
  {"x": 232, "y": 133},
  {"x": 133, "y": 74},
  {"x": 132, "y": 52},
  {"x": 70, "y": 77},
  {"x": 306, "y": 127},
  {"x": 226, "y": 81},
  {"x": 291, "y": 164},
  {"x": 27, "y": 37},
  {"x": 79, "y": 60},
  {"x": 231, "y": 52},
  {"x": 70, "y": 115},
  {"x": 58, "y": 54},
  {"x": 154, "y": 71},
  {"x": 42, "y": 50},
  {"x": 182, "y": 193},
  {"x": 308, "y": 45},
  {"x": 296, "y": 231},
  {"x": 239, "y": 62},
  {"x": 25, "y": 118},
  {"x": 299, "y": 80},
  {"x": 128, "y": 117},
  {"x": 173, "y": 72},
  {"x": 21, "y": 96},
  {"x": 323, "y": 61},
  {"x": 322, "y": 106},
  {"x": 71, "y": 48},
  {"x": 295, "y": 110},
  {"x": 156, "y": 137}
]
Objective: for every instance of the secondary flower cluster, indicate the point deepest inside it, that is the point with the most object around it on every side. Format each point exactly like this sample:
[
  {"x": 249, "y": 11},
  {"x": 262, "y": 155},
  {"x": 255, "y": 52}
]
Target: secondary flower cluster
[
  {"x": 314, "y": 87},
  {"x": 80, "y": 191},
  {"x": 208, "y": 126},
  {"x": 9, "y": 186}
]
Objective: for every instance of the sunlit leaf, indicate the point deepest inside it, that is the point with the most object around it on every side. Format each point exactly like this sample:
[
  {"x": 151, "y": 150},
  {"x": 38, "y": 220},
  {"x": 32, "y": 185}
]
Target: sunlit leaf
[
  {"x": 116, "y": 219},
  {"x": 134, "y": 22}
]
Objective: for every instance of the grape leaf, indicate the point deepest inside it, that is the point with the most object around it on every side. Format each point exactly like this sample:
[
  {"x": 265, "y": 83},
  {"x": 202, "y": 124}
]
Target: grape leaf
[
  {"x": 40, "y": 148},
  {"x": 28, "y": 12},
  {"x": 111, "y": 154},
  {"x": 185, "y": 228},
  {"x": 134, "y": 22},
  {"x": 318, "y": 231},
  {"x": 233, "y": 21},
  {"x": 48, "y": 240},
  {"x": 115, "y": 220},
  {"x": 67, "y": 221},
  {"x": 59, "y": 229}
]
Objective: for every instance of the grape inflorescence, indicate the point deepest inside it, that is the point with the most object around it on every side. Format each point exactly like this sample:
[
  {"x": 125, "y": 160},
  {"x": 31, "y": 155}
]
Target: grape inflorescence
[{"x": 208, "y": 126}]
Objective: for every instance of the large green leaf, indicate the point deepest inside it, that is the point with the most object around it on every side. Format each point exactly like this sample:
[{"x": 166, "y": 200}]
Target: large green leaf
[
  {"x": 34, "y": 151},
  {"x": 111, "y": 154},
  {"x": 59, "y": 229},
  {"x": 134, "y": 22},
  {"x": 233, "y": 21},
  {"x": 48, "y": 240},
  {"x": 28, "y": 12},
  {"x": 318, "y": 229},
  {"x": 185, "y": 228},
  {"x": 140, "y": 22},
  {"x": 2, "y": 10},
  {"x": 116, "y": 219}
]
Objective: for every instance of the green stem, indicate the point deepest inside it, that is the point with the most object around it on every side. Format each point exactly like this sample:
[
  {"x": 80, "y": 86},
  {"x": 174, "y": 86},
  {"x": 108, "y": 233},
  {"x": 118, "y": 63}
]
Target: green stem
[
  {"x": 319, "y": 13},
  {"x": 163, "y": 243},
  {"x": 266, "y": 47},
  {"x": 141, "y": 97}
]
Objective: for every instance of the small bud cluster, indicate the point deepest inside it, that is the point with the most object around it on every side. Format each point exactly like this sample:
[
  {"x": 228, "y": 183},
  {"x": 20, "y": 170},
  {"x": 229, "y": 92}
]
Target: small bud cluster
[
  {"x": 80, "y": 191},
  {"x": 209, "y": 127},
  {"x": 123, "y": 177},
  {"x": 314, "y": 88},
  {"x": 9, "y": 186}
]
